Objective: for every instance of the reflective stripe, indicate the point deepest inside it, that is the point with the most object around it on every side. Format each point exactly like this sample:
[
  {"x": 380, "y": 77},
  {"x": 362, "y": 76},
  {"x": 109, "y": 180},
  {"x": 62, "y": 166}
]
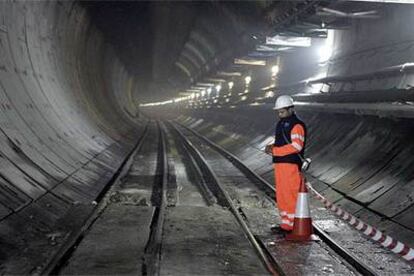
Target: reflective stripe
[
  {"x": 285, "y": 221},
  {"x": 398, "y": 248},
  {"x": 297, "y": 146},
  {"x": 291, "y": 216},
  {"x": 302, "y": 206},
  {"x": 283, "y": 213},
  {"x": 377, "y": 236},
  {"x": 410, "y": 255},
  {"x": 346, "y": 216},
  {"x": 387, "y": 241},
  {"x": 297, "y": 136},
  {"x": 368, "y": 230},
  {"x": 359, "y": 225}
]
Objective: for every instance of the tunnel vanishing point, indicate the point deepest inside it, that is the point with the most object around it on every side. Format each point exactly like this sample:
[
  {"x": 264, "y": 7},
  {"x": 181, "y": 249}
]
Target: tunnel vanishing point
[{"x": 92, "y": 91}]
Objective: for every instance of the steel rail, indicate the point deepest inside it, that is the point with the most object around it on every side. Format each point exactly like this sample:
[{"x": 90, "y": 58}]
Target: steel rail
[
  {"x": 223, "y": 198},
  {"x": 64, "y": 253},
  {"x": 201, "y": 181},
  {"x": 152, "y": 255},
  {"x": 343, "y": 252}
]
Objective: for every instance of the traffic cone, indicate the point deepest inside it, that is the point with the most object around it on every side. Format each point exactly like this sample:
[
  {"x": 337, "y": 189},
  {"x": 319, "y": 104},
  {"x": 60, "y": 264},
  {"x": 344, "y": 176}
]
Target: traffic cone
[{"x": 302, "y": 225}]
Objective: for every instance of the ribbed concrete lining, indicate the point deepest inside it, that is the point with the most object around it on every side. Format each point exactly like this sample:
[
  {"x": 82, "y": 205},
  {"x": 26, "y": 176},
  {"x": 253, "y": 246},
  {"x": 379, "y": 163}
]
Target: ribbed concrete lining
[
  {"x": 65, "y": 126},
  {"x": 362, "y": 163}
]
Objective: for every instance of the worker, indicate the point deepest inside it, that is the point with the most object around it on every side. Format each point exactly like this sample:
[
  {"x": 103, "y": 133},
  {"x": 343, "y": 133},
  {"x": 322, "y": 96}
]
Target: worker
[{"x": 287, "y": 151}]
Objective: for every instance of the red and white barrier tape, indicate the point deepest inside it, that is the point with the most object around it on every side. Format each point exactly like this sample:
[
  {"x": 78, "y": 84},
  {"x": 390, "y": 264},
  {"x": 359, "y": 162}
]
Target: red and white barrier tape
[{"x": 385, "y": 240}]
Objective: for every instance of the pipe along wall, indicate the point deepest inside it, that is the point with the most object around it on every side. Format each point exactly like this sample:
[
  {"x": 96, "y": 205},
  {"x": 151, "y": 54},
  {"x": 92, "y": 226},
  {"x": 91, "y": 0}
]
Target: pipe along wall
[{"x": 66, "y": 125}]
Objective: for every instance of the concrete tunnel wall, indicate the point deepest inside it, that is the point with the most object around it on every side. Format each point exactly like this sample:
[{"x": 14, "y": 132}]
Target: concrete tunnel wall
[{"x": 66, "y": 125}]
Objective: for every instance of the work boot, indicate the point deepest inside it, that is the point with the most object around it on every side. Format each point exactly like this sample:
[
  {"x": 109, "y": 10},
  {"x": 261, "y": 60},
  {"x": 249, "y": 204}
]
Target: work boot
[{"x": 276, "y": 229}]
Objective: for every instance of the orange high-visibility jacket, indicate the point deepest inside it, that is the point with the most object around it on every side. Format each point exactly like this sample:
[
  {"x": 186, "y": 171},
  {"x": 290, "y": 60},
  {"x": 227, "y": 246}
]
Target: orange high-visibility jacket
[
  {"x": 297, "y": 137},
  {"x": 289, "y": 142}
]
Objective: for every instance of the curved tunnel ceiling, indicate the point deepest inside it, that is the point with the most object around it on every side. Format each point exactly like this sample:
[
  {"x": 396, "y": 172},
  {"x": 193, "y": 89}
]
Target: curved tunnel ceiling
[
  {"x": 169, "y": 46},
  {"x": 193, "y": 37}
]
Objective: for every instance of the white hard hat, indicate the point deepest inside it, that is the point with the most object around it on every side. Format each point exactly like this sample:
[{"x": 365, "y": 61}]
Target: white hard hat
[{"x": 283, "y": 101}]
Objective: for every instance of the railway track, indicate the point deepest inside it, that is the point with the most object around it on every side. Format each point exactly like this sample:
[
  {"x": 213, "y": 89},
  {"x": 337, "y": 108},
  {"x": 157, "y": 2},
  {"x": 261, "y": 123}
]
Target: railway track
[
  {"x": 138, "y": 229},
  {"x": 182, "y": 205}
]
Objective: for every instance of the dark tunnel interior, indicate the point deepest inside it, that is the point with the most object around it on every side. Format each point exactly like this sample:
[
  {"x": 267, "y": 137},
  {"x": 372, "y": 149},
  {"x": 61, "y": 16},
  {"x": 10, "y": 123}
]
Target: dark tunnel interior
[{"x": 80, "y": 79}]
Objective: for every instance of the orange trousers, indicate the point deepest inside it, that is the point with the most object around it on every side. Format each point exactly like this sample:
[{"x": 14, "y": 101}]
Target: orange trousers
[{"x": 287, "y": 182}]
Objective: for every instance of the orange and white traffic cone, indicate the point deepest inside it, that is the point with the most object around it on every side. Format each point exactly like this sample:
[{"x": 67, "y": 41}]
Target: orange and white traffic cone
[{"x": 302, "y": 225}]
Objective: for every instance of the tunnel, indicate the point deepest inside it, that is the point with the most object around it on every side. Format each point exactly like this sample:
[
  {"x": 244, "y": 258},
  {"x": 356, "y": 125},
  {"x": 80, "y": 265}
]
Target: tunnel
[{"x": 92, "y": 91}]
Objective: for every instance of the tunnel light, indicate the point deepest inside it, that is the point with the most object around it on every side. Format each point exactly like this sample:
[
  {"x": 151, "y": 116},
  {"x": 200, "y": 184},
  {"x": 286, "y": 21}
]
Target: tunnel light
[
  {"x": 292, "y": 41},
  {"x": 249, "y": 61},
  {"x": 325, "y": 52},
  {"x": 270, "y": 94},
  {"x": 227, "y": 100},
  {"x": 231, "y": 84},
  {"x": 229, "y": 74},
  {"x": 218, "y": 88},
  {"x": 248, "y": 79},
  {"x": 275, "y": 70},
  {"x": 209, "y": 91},
  {"x": 158, "y": 103},
  {"x": 243, "y": 98},
  {"x": 203, "y": 93}
]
